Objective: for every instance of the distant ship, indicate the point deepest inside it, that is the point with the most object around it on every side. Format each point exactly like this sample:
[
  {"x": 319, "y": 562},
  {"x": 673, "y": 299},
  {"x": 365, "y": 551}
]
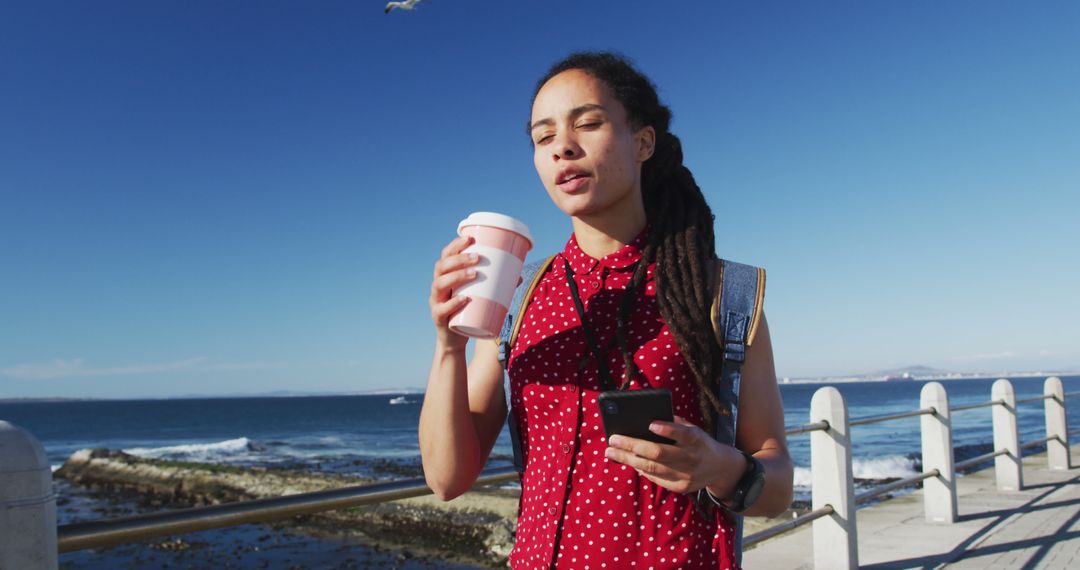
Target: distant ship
[
  {"x": 904, "y": 376},
  {"x": 401, "y": 400}
]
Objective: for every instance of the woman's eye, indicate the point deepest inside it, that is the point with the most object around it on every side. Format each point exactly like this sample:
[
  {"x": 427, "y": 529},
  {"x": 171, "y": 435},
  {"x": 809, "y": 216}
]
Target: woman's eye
[
  {"x": 544, "y": 139},
  {"x": 589, "y": 125}
]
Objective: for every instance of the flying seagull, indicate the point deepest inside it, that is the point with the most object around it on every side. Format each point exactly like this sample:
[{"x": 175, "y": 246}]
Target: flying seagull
[{"x": 406, "y": 5}]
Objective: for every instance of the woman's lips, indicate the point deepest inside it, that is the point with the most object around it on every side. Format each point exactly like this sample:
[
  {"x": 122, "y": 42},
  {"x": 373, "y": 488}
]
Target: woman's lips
[{"x": 574, "y": 183}]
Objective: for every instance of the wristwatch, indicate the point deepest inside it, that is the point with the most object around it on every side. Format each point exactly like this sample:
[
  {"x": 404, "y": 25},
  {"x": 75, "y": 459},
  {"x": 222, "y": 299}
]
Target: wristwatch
[{"x": 748, "y": 489}]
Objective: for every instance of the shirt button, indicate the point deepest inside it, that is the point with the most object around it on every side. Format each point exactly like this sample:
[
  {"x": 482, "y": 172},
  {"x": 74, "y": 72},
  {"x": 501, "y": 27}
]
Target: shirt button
[
  {"x": 552, "y": 511},
  {"x": 595, "y": 284},
  {"x": 572, "y": 387},
  {"x": 566, "y": 448}
]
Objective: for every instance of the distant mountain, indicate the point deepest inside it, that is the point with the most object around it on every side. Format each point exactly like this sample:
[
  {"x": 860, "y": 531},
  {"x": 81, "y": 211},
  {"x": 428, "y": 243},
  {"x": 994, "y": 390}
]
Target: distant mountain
[
  {"x": 912, "y": 371},
  {"x": 45, "y": 399},
  {"x": 272, "y": 394},
  {"x": 919, "y": 372},
  {"x": 297, "y": 394}
]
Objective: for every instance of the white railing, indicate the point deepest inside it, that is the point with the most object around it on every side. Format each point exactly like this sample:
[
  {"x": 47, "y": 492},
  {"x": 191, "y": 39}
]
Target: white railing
[
  {"x": 30, "y": 540},
  {"x": 833, "y": 490}
]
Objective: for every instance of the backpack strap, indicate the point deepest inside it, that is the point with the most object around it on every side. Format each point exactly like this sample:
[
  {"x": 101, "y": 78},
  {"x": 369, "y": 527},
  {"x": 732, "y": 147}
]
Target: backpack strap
[
  {"x": 530, "y": 277},
  {"x": 736, "y": 312}
]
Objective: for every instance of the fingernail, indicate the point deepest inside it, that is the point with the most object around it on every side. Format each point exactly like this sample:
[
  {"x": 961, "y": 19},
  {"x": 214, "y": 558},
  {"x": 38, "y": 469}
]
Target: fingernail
[
  {"x": 473, "y": 257},
  {"x": 654, "y": 427},
  {"x": 609, "y": 453},
  {"x": 614, "y": 441},
  {"x": 471, "y": 273}
]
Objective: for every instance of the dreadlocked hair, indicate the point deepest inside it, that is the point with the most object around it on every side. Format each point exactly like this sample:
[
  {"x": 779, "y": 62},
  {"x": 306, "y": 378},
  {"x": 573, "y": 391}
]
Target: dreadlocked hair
[{"x": 680, "y": 241}]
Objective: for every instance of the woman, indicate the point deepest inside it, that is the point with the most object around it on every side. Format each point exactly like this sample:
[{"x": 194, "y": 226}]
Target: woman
[{"x": 639, "y": 257}]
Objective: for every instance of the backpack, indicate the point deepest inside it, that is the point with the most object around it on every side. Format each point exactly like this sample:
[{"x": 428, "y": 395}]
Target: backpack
[{"x": 736, "y": 312}]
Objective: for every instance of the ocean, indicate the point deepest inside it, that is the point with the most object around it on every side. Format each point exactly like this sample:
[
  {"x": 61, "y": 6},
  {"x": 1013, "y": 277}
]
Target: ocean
[{"x": 371, "y": 436}]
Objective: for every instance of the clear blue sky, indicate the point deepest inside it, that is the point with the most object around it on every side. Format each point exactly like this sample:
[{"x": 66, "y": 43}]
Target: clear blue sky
[{"x": 220, "y": 197}]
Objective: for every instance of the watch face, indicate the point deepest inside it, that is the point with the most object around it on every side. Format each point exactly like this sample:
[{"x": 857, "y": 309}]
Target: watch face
[{"x": 754, "y": 491}]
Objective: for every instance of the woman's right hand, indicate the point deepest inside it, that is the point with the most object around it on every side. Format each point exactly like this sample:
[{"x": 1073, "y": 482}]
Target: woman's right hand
[{"x": 452, "y": 270}]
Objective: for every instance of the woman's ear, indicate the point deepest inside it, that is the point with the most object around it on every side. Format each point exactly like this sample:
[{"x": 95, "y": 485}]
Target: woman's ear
[{"x": 646, "y": 143}]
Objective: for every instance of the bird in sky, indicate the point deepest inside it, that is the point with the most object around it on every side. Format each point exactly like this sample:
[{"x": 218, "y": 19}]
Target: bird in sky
[{"x": 406, "y": 5}]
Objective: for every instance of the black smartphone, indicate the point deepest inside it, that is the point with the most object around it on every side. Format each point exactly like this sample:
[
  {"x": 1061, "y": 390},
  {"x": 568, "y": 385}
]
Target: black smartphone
[{"x": 629, "y": 412}]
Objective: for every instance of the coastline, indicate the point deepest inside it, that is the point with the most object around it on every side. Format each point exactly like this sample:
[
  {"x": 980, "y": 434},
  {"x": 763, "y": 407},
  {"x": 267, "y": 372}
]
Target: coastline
[
  {"x": 474, "y": 530},
  {"x": 952, "y": 377},
  {"x": 414, "y": 533},
  {"x": 937, "y": 376}
]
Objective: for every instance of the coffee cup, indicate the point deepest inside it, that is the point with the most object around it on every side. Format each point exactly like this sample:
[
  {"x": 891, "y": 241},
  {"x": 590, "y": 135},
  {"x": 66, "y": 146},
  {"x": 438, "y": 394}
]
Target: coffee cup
[{"x": 502, "y": 244}]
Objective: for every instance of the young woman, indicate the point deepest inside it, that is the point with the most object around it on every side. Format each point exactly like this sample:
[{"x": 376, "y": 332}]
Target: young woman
[{"x": 640, "y": 258}]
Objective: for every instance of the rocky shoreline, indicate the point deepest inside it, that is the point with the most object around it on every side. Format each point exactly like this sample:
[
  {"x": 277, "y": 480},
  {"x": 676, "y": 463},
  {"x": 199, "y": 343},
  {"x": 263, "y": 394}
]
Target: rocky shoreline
[{"x": 474, "y": 530}]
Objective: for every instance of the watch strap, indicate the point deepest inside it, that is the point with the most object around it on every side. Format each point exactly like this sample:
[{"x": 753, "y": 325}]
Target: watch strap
[{"x": 737, "y": 504}]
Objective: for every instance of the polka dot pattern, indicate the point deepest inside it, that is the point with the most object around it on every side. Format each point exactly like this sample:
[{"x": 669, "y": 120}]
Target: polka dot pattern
[{"x": 579, "y": 509}]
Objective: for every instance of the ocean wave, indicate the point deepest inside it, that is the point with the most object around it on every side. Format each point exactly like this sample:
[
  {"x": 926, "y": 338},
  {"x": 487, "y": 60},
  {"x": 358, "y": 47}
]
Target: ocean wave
[
  {"x": 888, "y": 467},
  {"x": 231, "y": 449},
  {"x": 315, "y": 442},
  {"x": 868, "y": 470}
]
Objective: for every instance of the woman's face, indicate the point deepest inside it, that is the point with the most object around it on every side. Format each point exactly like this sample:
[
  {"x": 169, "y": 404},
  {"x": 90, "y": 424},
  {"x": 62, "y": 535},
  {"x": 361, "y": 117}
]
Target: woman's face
[{"x": 584, "y": 149}]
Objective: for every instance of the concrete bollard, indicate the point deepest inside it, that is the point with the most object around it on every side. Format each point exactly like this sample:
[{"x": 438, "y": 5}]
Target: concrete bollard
[
  {"x": 1008, "y": 468},
  {"x": 835, "y": 536},
  {"x": 27, "y": 503},
  {"x": 1057, "y": 449},
  {"x": 939, "y": 493}
]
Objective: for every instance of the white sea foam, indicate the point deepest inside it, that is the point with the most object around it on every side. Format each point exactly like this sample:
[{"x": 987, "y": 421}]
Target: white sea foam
[
  {"x": 887, "y": 467},
  {"x": 55, "y": 467},
  {"x": 331, "y": 441},
  {"x": 201, "y": 452}
]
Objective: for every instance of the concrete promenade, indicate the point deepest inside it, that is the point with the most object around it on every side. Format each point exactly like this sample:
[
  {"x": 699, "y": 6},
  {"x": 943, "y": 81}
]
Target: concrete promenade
[{"x": 1038, "y": 527}]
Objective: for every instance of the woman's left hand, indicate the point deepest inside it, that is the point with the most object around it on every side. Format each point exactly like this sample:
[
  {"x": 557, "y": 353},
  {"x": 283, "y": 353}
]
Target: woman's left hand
[{"x": 695, "y": 461}]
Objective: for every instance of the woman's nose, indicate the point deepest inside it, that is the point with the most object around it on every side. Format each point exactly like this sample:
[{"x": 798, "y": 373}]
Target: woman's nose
[{"x": 565, "y": 148}]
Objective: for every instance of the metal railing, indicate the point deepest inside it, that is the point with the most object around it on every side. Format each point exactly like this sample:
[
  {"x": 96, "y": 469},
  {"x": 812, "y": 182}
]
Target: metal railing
[
  {"x": 889, "y": 417},
  {"x": 833, "y": 496},
  {"x": 110, "y": 532},
  {"x": 787, "y": 526},
  {"x": 939, "y": 470}
]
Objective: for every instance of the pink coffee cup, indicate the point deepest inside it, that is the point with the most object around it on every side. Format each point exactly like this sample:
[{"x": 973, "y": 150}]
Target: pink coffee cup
[{"x": 502, "y": 243}]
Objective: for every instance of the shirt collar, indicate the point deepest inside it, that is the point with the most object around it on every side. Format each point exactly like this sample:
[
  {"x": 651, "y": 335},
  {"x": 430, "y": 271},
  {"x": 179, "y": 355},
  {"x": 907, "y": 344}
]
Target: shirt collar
[{"x": 582, "y": 263}]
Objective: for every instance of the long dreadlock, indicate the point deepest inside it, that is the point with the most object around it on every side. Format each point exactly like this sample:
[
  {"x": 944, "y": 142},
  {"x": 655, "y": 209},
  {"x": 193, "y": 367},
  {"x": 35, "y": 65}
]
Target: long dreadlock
[{"x": 681, "y": 240}]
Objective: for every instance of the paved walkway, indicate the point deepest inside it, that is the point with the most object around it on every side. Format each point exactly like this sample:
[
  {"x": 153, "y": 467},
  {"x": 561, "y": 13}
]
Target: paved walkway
[{"x": 1038, "y": 527}]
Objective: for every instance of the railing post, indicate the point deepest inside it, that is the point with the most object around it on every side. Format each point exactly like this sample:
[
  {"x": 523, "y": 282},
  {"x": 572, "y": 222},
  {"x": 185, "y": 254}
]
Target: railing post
[
  {"x": 835, "y": 537},
  {"x": 939, "y": 493},
  {"x": 1057, "y": 449},
  {"x": 1007, "y": 468},
  {"x": 27, "y": 503}
]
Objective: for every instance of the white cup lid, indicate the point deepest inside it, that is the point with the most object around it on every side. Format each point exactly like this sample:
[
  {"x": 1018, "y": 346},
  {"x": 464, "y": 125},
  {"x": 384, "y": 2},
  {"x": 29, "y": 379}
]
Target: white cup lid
[{"x": 496, "y": 221}]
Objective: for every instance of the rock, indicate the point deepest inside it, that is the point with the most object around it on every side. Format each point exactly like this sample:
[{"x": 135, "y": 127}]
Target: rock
[{"x": 476, "y": 528}]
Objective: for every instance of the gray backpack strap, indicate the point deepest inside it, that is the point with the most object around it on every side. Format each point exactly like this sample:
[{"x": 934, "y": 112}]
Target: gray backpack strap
[
  {"x": 735, "y": 317},
  {"x": 530, "y": 277}
]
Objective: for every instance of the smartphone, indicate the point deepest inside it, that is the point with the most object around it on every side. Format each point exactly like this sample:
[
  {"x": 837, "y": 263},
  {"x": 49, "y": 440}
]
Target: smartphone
[{"x": 629, "y": 412}]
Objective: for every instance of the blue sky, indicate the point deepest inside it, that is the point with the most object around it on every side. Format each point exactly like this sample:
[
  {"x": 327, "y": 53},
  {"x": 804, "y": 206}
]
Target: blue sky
[{"x": 232, "y": 197}]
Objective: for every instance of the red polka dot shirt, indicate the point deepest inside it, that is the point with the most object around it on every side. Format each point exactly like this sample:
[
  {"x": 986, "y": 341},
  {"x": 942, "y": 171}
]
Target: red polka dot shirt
[{"x": 580, "y": 510}]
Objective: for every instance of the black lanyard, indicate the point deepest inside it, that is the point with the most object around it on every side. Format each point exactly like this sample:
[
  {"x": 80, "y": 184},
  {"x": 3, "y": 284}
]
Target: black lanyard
[{"x": 607, "y": 383}]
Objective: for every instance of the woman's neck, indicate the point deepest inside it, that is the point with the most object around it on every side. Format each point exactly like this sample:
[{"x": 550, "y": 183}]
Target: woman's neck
[{"x": 601, "y": 236}]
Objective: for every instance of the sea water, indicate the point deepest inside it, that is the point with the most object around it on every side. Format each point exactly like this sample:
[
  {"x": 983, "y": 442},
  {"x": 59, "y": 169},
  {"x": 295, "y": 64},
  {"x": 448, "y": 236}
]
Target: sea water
[{"x": 376, "y": 435}]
